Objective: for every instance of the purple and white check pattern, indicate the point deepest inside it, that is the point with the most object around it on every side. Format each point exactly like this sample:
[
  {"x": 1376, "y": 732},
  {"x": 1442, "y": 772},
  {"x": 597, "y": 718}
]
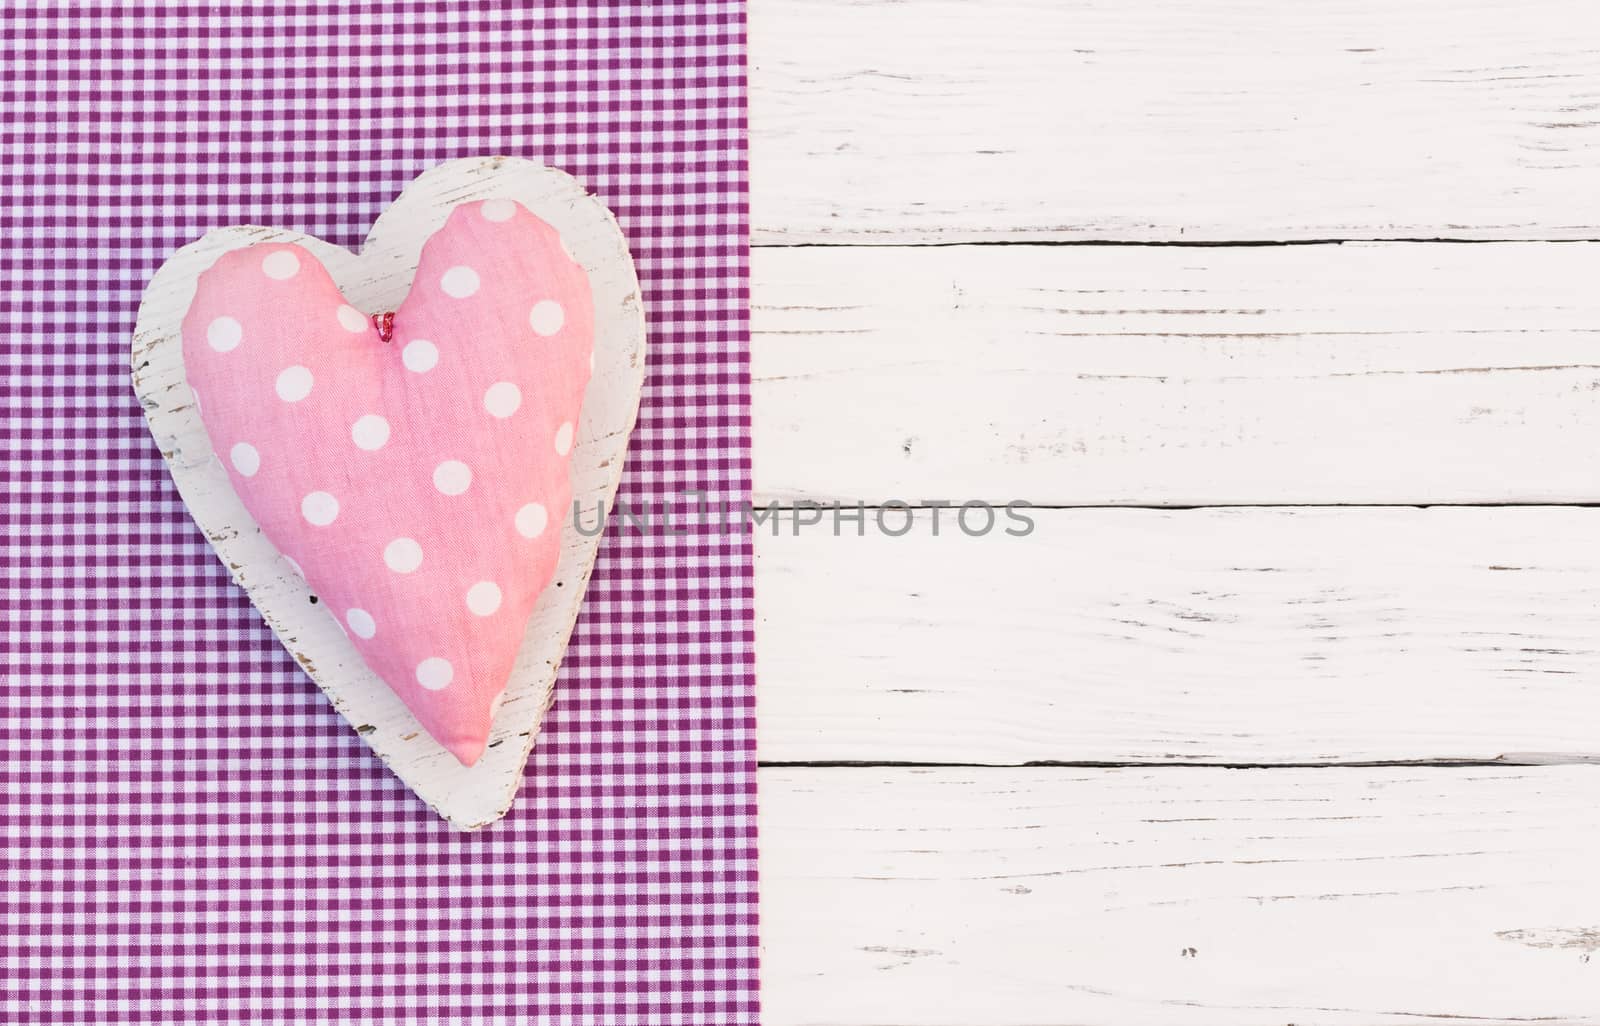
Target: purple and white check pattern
[{"x": 190, "y": 833}]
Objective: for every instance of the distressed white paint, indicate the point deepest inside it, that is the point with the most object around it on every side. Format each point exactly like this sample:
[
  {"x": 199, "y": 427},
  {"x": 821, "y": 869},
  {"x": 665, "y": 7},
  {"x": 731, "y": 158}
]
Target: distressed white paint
[
  {"x": 1243, "y": 635},
  {"x": 1161, "y": 897},
  {"x": 1099, "y": 376},
  {"x": 1385, "y": 372},
  {"x": 948, "y": 120},
  {"x": 379, "y": 279}
]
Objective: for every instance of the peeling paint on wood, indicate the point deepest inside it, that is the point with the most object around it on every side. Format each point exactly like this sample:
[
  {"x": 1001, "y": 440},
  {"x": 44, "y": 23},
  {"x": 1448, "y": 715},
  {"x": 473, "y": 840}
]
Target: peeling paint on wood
[{"x": 1585, "y": 939}]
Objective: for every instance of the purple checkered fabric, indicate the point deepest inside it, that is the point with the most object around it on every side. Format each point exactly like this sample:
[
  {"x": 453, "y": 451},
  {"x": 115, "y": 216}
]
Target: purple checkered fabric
[{"x": 191, "y": 834}]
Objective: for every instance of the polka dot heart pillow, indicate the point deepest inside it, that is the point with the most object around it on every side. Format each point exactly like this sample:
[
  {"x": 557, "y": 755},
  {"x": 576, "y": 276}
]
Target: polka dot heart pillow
[{"x": 386, "y": 450}]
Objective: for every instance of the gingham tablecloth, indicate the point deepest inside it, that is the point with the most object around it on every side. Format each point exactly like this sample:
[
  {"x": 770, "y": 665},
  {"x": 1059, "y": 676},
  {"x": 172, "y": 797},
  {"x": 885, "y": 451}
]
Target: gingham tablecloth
[{"x": 191, "y": 834}]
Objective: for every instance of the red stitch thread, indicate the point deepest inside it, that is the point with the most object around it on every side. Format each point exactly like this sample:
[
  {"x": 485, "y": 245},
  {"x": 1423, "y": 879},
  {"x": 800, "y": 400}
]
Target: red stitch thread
[{"x": 384, "y": 322}]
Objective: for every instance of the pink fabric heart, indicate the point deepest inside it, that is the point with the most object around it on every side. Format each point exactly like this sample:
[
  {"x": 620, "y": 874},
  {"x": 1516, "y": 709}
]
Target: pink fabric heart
[{"x": 420, "y": 483}]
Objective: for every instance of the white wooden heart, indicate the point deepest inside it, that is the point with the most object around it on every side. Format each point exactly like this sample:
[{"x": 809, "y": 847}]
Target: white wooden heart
[{"x": 378, "y": 279}]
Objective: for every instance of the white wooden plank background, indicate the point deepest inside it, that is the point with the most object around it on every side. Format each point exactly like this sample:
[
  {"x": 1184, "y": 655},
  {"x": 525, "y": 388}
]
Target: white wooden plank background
[
  {"x": 1181, "y": 896},
  {"x": 1243, "y": 635},
  {"x": 1159, "y": 119},
  {"x": 1111, "y": 375},
  {"x": 1390, "y": 372}
]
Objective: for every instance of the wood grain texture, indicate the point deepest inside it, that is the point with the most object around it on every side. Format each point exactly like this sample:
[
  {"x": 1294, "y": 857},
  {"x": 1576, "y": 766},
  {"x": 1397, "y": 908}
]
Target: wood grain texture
[
  {"x": 1195, "y": 636},
  {"x": 1134, "y": 376},
  {"x": 1355, "y": 373},
  {"x": 379, "y": 279},
  {"x": 1014, "y": 897},
  {"x": 944, "y": 120}
]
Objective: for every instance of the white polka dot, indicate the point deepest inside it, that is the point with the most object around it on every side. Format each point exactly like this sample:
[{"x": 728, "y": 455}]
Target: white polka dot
[
  {"x": 502, "y": 399},
  {"x": 246, "y": 460},
  {"x": 498, "y": 210},
  {"x": 435, "y": 673},
  {"x": 351, "y": 319},
  {"x": 564, "y": 439},
  {"x": 281, "y": 264},
  {"x": 319, "y": 508},
  {"x": 370, "y": 432},
  {"x": 452, "y": 477},
  {"x": 361, "y": 622},
  {"x": 224, "y": 334},
  {"x": 294, "y": 384},
  {"x": 531, "y": 520},
  {"x": 546, "y": 317},
  {"x": 402, "y": 555},
  {"x": 483, "y": 598},
  {"x": 420, "y": 356},
  {"x": 459, "y": 282}
]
